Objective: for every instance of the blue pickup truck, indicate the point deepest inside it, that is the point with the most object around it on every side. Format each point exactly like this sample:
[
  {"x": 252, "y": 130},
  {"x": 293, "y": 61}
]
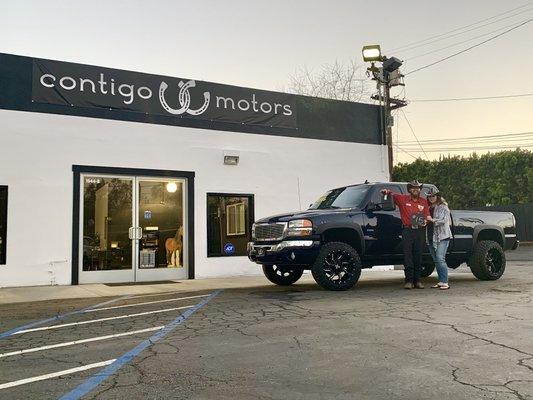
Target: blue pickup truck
[{"x": 352, "y": 227}]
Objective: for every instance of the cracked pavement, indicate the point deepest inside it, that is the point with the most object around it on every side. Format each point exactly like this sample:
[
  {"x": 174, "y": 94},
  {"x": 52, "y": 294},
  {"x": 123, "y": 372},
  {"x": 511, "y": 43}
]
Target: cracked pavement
[{"x": 377, "y": 341}]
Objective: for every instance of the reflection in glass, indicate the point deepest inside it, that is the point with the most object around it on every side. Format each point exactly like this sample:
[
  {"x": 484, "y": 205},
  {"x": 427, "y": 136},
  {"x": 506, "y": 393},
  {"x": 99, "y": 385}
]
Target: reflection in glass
[
  {"x": 107, "y": 218},
  {"x": 161, "y": 220}
]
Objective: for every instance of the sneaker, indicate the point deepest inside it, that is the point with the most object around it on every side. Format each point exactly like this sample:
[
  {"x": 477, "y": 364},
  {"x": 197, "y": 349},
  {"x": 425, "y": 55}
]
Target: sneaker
[
  {"x": 408, "y": 285},
  {"x": 419, "y": 285}
]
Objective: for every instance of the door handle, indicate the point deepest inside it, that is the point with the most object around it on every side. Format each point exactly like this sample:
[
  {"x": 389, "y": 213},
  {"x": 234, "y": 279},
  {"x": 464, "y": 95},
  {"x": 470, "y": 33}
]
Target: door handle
[
  {"x": 139, "y": 233},
  {"x": 130, "y": 233}
]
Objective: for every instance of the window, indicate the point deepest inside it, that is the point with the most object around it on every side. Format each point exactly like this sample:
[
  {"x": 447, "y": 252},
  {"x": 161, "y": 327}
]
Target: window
[
  {"x": 236, "y": 219},
  {"x": 3, "y": 224},
  {"x": 229, "y": 223},
  {"x": 346, "y": 197}
]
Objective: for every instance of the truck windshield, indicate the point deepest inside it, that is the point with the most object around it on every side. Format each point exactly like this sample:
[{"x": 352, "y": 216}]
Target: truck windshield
[{"x": 346, "y": 197}]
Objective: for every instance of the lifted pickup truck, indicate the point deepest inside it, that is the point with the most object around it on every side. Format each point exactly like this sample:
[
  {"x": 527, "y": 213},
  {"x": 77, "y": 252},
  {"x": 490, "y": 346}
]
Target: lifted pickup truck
[{"x": 352, "y": 227}]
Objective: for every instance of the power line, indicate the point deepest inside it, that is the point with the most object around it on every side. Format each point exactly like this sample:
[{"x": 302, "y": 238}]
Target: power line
[
  {"x": 503, "y": 135},
  {"x": 445, "y": 149},
  {"x": 406, "y": 152},
  {"x": 469, "y": 141},
  {"x": 471, "y": 47},
  {"x": 413, "y": 131},
  {"x": 473, "y": 98},
  {"x": 461, "y": 42},
  {"x": 460, "y": 28}
]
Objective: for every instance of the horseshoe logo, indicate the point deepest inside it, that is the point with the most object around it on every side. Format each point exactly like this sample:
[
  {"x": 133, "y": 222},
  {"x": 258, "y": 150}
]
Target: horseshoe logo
[{"x": 184, "y": 99}]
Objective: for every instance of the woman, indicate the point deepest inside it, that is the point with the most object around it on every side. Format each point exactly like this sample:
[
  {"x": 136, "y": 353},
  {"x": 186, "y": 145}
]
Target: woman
[{"x": 439, "y": 236}]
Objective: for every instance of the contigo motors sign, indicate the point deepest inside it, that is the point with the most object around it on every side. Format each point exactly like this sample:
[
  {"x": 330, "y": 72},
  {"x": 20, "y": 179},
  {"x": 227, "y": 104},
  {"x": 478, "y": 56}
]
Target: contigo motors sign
[{"x": 77, "y": 85}]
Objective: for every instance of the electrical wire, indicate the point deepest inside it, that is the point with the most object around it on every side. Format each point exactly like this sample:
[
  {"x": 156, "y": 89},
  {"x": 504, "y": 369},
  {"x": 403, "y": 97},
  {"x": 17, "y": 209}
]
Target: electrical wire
[
  {"x": 472, "y": 98},
  {"x": 445, "y": 149},
  {"x": 473, "y": 138},
  {"x": 470, "y": 48},
  {"x": 413, "y": 131},
  {"x": 461, "y": 42},
  {"x": 460, "y": 28}
]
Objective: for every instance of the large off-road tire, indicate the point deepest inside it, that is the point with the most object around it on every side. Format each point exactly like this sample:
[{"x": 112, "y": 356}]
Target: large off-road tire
[
  {"x": 426, "y": 269},
  {"x": 487, "y": 261},
  {"x": 282, "y": 275},
  {"x": 337, "y": 267}
]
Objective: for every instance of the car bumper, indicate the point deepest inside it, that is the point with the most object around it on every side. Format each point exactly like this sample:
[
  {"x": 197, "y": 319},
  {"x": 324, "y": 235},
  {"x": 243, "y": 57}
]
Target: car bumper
[{"x": 287, "y": 252}]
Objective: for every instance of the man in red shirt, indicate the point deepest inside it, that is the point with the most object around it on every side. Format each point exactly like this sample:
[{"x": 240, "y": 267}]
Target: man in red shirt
[{"x": 414, "y": 211}]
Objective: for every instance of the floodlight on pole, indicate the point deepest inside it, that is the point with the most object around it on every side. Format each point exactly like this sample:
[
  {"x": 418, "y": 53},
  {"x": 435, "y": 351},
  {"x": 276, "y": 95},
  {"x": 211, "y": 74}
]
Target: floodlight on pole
[
  {"x": 372, "y": 53},
  {"x": 387, "y": 75}
]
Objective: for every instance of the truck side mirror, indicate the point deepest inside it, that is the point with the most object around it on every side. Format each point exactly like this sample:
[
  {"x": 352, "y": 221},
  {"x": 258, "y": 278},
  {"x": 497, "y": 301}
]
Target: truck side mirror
[{"x": 373, "y": 207}]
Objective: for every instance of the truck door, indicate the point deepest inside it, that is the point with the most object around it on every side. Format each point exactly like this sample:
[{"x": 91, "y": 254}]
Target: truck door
[{"x": 383, "y": 229}]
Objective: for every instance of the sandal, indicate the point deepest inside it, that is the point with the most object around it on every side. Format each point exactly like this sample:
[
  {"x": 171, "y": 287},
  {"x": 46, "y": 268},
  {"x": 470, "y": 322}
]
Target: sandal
[
  {"x": 444, "y": 287},
  {"x": 436, "y": 286}
]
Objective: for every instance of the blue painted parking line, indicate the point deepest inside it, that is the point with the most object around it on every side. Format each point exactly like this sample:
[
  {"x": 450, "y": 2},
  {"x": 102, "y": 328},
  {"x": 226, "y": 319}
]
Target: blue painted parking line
[
  {"x": 101, "y": 376},
  {"x": 58, "y": 317}
]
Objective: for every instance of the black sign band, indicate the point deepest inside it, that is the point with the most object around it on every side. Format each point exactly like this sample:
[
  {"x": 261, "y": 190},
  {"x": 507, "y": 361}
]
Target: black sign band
[{"x": 79, "y": 85}]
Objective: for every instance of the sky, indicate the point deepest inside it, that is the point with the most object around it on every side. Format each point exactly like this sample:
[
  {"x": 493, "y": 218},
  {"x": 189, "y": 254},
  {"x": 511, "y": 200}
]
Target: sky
[{"x": 260, "y": 44}]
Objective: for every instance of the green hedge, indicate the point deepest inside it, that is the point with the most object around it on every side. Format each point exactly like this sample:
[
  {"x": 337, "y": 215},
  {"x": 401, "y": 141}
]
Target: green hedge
[{"x": 499, "y": 178}]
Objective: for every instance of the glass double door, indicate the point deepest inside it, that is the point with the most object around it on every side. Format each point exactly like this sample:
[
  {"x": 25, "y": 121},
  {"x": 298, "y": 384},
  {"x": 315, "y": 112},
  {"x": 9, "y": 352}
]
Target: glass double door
[{"x": 132, "y": 229}]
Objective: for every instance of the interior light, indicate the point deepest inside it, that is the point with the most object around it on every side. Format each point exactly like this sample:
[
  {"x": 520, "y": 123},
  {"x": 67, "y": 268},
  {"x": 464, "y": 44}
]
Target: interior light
[{"x": 172, "y": 187}]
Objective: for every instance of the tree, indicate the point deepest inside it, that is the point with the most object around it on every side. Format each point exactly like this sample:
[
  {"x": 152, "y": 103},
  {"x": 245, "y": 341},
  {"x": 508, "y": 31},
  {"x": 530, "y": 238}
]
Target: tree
[
  {"x": 497, "y": 179},
  {"x": 339, "y": 81}
]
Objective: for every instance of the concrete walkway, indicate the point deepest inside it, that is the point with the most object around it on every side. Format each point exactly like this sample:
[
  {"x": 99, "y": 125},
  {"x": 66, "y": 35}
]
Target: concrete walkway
[{"x": 42, "y": 293}]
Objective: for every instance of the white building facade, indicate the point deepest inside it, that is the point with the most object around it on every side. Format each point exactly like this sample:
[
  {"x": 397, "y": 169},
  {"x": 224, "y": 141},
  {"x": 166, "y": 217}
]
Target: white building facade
[{"x": 118, "y": 176}]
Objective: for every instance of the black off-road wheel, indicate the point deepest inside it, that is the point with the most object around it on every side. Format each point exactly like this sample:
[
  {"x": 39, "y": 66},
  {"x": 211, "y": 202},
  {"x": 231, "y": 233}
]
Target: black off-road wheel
[
  {"x": 337, "y": 267},
  {"x": 487, "y": 261},
  {"x": 282, "y": 275},
  {"x": 426, "y": 269}
]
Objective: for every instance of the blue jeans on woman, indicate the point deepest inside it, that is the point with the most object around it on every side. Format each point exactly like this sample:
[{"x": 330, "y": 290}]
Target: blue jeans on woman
[{"x": 438, "y": 253}]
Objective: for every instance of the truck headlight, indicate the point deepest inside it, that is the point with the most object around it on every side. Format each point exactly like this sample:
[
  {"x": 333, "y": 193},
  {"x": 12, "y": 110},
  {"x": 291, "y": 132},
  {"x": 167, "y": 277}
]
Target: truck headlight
[{"x": 299, "y": 227}]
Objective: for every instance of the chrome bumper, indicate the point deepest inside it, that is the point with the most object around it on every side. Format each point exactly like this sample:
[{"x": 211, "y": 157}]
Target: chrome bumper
[{"x": 259, "y": 249}]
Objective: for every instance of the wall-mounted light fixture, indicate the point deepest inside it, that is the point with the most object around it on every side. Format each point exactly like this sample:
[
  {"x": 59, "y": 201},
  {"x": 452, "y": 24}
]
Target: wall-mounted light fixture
[{"x": 231, "y": 158}]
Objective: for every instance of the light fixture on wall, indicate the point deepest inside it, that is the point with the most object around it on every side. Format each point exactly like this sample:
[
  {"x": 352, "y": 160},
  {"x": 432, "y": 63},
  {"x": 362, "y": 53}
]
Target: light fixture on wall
[
  {"x": 231, "y": 157},
  {"x": 172, "y": 187}
]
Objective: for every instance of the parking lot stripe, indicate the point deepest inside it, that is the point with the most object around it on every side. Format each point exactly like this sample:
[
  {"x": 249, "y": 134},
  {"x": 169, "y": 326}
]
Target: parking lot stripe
[
  {"x": 102, "y": 375},
  {"x": 74, "y": 342},
  {"x": 145, "y": 303},
  {"x": 45, "y": 328},
  {"x": 11, "y": 332},
  {"x": 55, "y": 374}
]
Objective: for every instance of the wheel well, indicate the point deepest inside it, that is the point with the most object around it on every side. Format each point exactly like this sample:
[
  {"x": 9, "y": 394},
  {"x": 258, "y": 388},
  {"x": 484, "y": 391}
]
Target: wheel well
[
  {"x": 344, "y": 235},
  {"x": 490, "y": 234}
]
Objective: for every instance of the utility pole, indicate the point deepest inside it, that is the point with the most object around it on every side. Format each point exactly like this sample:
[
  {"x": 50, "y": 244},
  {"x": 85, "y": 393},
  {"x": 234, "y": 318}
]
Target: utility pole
[{"x": 386, "y": 76}]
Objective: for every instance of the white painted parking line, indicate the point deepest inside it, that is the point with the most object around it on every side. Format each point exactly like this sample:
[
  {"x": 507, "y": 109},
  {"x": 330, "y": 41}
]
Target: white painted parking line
[
  {"x": 94, "y": 339},
  {"x": 145, "y": 303},
  {"x": 153, "y": 294},
  {"x": 55, "y": 374},
  {"x": 91, "y": 321}
]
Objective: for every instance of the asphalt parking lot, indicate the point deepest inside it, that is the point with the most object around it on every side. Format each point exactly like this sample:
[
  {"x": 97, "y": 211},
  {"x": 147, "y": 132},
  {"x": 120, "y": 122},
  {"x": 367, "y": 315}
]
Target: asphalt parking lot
[{"x": 377, "y": 341}]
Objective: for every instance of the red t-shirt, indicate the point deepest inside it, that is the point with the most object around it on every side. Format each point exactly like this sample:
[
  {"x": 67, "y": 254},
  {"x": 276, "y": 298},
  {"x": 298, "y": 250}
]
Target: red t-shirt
[{"x": 409, "y": 206}]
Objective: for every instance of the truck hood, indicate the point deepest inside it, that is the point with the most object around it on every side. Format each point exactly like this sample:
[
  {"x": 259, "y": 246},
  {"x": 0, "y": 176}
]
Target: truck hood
[{"x": 309, "y": 214}]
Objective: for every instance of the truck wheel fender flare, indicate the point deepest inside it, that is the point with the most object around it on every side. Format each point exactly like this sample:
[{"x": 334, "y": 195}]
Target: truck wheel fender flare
[
  {"x": 356, "y": 228},
  {"x": 479, "y": 228}
]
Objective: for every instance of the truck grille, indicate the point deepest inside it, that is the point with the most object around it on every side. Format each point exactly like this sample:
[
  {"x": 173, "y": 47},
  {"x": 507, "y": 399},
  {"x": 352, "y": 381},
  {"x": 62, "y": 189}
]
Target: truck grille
[{"x": 269, "y": 231}]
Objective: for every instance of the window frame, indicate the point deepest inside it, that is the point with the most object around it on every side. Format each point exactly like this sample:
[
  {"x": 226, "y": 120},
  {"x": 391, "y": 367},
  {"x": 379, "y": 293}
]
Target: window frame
[
  {"x": 3, "y": 249},
  {"x": 237, "y": 219},
  {"x": 248, "y": 228}
]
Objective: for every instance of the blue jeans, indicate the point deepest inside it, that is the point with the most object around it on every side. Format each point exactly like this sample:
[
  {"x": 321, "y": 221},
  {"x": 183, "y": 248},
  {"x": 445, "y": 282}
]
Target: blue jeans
[{"x": 438, "y": 253}]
